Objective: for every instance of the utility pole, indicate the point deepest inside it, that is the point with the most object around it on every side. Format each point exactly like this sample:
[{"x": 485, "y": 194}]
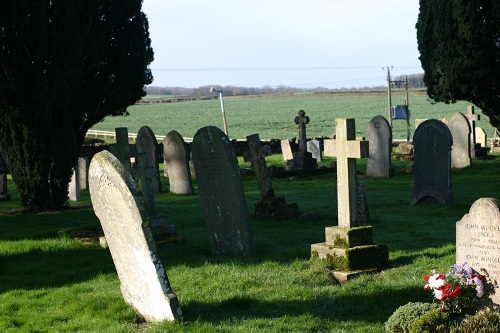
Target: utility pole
[{"x": 389, "y": 102}]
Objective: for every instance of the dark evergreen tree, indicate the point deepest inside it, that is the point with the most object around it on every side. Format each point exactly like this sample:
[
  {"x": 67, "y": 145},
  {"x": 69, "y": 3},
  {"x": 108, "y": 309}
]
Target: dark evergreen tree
[
  {"x": 64, "y": 66},
  {"x": 459, "y": 44}
]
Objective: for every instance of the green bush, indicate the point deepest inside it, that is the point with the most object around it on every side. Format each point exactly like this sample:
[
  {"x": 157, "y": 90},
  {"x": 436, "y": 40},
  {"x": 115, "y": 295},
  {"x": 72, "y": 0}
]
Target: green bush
[
  {"x": 404, "y": 316},
  {"x": 432, "y": 322},
  {"x": 482, "y": 322}
]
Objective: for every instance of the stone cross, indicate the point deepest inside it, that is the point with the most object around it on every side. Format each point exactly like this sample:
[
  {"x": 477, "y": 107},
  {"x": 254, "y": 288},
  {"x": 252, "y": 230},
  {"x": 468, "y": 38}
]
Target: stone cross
[
  {"x": 346, "y": 149},
  {"x": 302, "y": 120},
  {"x": 256, "y": 155},
  {"x": 122, "y": 150},
  {"x": 472, "y": 117}
]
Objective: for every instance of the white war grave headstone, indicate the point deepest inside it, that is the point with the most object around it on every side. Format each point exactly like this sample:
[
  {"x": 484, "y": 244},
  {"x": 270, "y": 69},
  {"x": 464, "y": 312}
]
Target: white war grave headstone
[
  {"x": 478, "y": 242},
  {"x": 349, "y": 240},
  {"x": 176, "y": 159},
  {"x": 481, "y": 137},
  {"x": 120, "y": 208},
  {"x": 379, "y": 134},
  {"x": 222, "y": 195},
  {"x": 460, "y": 150},
  {"x": 146, "y": 143}
]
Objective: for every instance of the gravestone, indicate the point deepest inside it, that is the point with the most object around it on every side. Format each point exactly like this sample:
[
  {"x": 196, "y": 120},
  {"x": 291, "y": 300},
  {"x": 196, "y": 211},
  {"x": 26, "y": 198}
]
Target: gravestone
[
  {"x": 472, "y": 118},
  {"x": 122, "y": 149},
  {"x": 478, "y": 242},
  {"x": 349, "y": 246},
  {"x": 222, "y": 195},
  {"x": 74, "y": 186},
  {"x": 481, "y": 137},
  {"x": 146, "y": 143},
  {"x": 120, "y": 208},
  {"x": 432, "y": 163},
  {"x": 270, "y": 205},
  {"x": 4, "y": 195},
  {"x": 379, "y": 134},
  {"x": 83, "y": 171},
  {"x": 176, "y": 161},
  {"x": 286, "y": 150},
  {"x": 314, "y": 147},
  {"x": 146, "y": 174},
  {"x": 460, "y": 131},
  {"x": 302, "y": 159}
]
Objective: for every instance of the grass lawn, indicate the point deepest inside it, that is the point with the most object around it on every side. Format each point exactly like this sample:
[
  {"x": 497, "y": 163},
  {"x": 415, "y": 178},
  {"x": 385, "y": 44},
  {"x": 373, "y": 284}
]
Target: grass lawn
[{"x": 51, "y": 282}]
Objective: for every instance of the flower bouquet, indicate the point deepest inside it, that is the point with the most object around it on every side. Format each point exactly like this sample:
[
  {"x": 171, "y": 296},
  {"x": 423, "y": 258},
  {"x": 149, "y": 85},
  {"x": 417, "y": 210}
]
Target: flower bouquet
[{"x": 458, "y": 290}]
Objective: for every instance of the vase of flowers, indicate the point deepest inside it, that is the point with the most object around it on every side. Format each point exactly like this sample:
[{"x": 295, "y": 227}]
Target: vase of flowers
[{"x": 458, "y": 291}]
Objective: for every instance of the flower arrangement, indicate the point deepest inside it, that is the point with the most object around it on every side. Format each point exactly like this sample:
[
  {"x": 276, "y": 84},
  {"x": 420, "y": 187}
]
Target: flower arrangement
[{"x": 458, "y": 290}]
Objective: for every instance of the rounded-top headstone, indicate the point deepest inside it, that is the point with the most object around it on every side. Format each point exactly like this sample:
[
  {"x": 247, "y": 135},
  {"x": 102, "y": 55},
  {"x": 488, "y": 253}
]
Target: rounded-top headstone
[{"x": 121, "y": 211}]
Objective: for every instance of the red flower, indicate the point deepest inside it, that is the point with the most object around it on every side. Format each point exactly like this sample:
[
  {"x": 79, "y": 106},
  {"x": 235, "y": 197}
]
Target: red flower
[{"x": 426, "y": 278}]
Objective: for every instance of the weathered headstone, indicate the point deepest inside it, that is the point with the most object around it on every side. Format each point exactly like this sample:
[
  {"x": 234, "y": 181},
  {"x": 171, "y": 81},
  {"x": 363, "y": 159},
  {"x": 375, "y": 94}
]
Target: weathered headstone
[
  {"x": 176, "y": 158},
  {"x": 286, "y": 150},
  {"x": 481, "y": 137},
  {"x": 478, "y": 242},
  {"x": 74, "y": 186},
  {"x": 122, "y": 149},
  {"x": 314, "y": 147},
  {"x": 460, "y": 131},
  {"x": 472, "y": 118},
  {"x": 432, "y": 163},
  {"x": 146, "y": 174},
  {"x": 83, "y": 171},
  {"x": 302, "y": 159},
  {"x": 120, "y": 208},
  {"x": 270, "y": 205},
  {"x": 4, "y": 195},
  {"x": 349, "y": 246},
  {"x": 146, "y": 143},
  {"x": 222, "y": 195},
  {"x": 379, "y": 134}
]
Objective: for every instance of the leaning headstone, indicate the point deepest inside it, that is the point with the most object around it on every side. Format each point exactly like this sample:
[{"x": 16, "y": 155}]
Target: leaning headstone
[
  {"x": 74, "y": 186},
  {"x": 379, "y": 134},
  {"x": 270, "y": 205},
  {"x": 432, "y": 163},
  {"x": 120, "y": 208},
  {"x": 302, "y": 159},
  {"x": 314, "y": 147},
  {"x": 349, "y": 246},
  {"x": 146, "y": 143},
  {"x": 176, "y": 159},
  {"x": 222, "y": 195},
  {"x": 478, "y": 242},
  {"x": 286, "y": 150},
  {"x": 122, "y": 149},
  {"x": 481, "y": 137},
  {"x": 460, "y": 131}
]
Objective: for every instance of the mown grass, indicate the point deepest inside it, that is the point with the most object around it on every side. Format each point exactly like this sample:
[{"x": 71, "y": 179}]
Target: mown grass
[
  {"x": 273, "y": 117},
  {"x": 54, "y": 283}
]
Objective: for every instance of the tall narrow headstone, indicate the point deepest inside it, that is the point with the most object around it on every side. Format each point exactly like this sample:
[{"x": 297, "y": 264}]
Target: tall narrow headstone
[
  {"x": 472, "y": 118},
  {"x": 122, "y": 149},
  {"x": 481, "y": 137},
  {"x": 4, "y": 195},
  {"x": 478, "y": 242},
  {"x": 256, "y": 155},
  {"x": 460, "y": 131},
  {"x": 176, "y": 159},
  {"x": 379, "y": 134},
  {"x": 146, "y": 143},
  {"x": 349, "y": 245},
  {"x": 83, "y": 171},
  {"x": 120, "y": 208},
  {"x": 222, "y": 195},
  {"x": 74, "y": 186},
  {"x": 432, "y": 163}
]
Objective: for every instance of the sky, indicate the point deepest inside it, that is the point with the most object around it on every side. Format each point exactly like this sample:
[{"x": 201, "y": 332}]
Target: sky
[{"x": 295, "y": 43}]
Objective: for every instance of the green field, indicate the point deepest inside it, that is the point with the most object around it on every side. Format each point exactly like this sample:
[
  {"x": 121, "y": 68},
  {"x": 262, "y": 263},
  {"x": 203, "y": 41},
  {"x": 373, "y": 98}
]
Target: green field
[{"x": 272, "y": 117}]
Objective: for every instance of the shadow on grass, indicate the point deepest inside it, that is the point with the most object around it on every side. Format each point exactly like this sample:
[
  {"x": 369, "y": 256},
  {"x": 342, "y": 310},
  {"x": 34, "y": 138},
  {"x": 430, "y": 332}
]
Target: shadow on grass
[{"x": 353, "y": 307}]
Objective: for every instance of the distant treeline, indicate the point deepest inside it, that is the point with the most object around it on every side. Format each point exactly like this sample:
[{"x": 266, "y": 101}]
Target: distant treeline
[{"x": 414, "y": 81}]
